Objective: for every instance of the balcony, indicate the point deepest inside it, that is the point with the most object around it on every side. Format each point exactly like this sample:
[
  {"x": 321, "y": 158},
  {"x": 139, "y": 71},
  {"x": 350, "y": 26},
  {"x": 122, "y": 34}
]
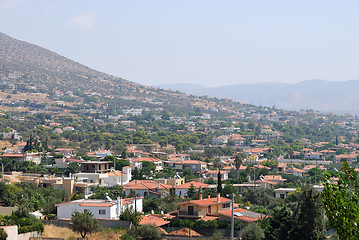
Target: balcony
[{"x": 188, "y": 214}]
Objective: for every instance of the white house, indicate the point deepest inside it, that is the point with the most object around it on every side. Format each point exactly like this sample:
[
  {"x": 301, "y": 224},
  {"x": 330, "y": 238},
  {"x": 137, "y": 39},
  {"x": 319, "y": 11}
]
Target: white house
[
  {"x": 214, "y": 174},
  {"x": 135, "y": 112},
  {"x": 220, "y": 140},
  {"x": 108, "y": 179},
  {"x": 181, "y": 190},
  {"x": 110, "y": 209},
  {"x": 283, "y": 192},
  {"x": 137, "y": 162}
]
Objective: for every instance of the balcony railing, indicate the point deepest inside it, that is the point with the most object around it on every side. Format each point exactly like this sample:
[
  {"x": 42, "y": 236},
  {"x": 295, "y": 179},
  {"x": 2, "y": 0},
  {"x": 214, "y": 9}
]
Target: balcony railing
[{"x": 186, "y": 213}]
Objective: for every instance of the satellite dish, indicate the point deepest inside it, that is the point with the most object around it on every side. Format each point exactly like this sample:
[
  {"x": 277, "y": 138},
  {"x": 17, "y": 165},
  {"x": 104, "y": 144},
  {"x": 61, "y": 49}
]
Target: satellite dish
[{"x": 108, "y": 198}]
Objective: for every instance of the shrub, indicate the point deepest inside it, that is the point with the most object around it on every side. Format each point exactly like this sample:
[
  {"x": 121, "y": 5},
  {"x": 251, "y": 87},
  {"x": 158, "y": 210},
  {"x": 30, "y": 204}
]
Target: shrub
[
  {"x": 147, "y": 231},
  {"x": 252, "y": 232}
]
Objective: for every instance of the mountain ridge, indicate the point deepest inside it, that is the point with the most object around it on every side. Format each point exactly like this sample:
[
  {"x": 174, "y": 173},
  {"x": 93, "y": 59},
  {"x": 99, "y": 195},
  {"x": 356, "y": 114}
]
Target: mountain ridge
[
  {"x": 27, "y": 66},
  {"x": 316, "y": 94}
]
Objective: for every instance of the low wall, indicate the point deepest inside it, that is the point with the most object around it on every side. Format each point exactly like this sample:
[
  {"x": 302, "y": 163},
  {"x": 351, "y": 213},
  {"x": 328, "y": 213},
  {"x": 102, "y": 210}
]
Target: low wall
[
  {"x": 27, "y": 236},
  {"x": 104, "y": 223},
  {"x": 45, "y": 238}
]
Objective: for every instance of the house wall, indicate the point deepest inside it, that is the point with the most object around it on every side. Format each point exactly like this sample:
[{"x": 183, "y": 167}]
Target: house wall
[
  {"x": 91, "y": 177},
  {"x": 181, "y": 192},
  {"x": 66, "y": 210}
]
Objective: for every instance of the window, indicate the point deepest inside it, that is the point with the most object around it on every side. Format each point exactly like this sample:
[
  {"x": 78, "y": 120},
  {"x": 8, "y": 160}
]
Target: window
[
  {"x": 226, "y": 205},
  {"x": 101, "y": 211}
]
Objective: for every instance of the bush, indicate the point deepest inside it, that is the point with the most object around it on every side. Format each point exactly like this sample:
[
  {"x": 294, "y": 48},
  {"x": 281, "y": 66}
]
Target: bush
[
  {"x": 252, "y": 232},
  {"x": 147, "y": 231}
]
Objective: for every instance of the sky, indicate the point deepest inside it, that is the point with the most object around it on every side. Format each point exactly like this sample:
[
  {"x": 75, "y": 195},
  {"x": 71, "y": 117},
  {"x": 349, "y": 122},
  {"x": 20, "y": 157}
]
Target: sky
[{"x": 206, "y": 42}]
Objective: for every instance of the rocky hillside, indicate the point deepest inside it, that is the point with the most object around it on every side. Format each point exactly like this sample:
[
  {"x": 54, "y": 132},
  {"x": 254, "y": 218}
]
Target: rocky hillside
[{"x": 32, "y": 67}]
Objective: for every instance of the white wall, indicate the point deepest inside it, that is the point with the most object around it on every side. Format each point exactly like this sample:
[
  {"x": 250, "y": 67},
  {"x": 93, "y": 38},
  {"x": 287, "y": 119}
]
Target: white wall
[
  {"x": 181, "y": 192},
  {"x": 67, "y": 209}
]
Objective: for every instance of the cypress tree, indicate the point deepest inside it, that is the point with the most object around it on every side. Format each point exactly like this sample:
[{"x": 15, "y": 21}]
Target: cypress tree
[{"x": 219, "y": 181}]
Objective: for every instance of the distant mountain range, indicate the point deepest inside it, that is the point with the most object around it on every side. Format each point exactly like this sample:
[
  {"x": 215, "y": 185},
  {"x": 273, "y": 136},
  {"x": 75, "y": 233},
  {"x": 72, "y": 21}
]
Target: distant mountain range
[{"x": 321, "y": 95}]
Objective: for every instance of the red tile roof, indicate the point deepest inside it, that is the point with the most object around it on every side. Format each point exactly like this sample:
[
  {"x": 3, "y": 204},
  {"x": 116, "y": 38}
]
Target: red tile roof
[
  {"x": 145, "y": 159},
  {"x": 206, "y": 202},
  {"x": 153, "y": 220},
  {"x": 195, "y": 184},
  {"x": 146, "y": 184},
  {"x": 185, "y": 232}
]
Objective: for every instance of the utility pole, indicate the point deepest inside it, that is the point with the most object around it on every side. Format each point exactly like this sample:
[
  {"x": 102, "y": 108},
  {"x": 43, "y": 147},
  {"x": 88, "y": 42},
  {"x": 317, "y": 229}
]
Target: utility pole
[
  {"x": 135, "y": 218},
  {"x": 2, "y": 172},
  {"x": 316, "y": 165},
  {"x": 254, "y": 178},
  {"x": 232, "y": 222}
]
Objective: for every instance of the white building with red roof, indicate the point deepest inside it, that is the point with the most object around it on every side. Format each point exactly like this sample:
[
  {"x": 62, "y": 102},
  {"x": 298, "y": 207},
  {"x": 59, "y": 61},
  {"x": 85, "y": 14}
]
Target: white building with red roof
[
  {"x": 101, "y": 209},
  {"x": 181, "y": 190},
  {"x": 147, "y": 188},
  {"x": 200, "y": 208},
  {"x": 193, "y": 165}
]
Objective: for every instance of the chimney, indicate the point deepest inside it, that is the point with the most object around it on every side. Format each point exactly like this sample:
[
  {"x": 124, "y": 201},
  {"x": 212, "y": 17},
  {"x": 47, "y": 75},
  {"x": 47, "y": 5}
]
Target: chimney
[
  {"x": 209, "y": 196},
  {"x": 200, "y": 196},
  {"x": 218, "y": 197}
]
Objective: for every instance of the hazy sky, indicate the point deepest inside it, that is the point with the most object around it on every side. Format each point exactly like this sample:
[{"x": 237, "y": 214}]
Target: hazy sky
[{"x": 206, "y": 42}]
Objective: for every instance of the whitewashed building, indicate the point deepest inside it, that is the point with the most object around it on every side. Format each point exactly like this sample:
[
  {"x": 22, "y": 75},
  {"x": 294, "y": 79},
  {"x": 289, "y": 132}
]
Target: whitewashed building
[{"x": 108, "y": 209}]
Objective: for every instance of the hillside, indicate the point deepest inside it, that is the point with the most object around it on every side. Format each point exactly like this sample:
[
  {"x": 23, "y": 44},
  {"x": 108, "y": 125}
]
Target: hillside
[
  {"x": 30, "y": 68},
  {"x": 320, "y": 95}
]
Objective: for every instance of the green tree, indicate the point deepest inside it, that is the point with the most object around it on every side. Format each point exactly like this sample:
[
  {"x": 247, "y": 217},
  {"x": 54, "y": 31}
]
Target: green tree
[
  {"x": 84, "y": 223},
  {"x": 72, "y": 168},
  {"x": 279, "y": 224},
  {"x": 148, "y": 167},
  {"x": 303, "y": 222},
  {"x": 120, "y": 163},
  {"x": 308, "y": 217},
  {"x": 163, "y": 143},
  {"x": 238, "y": 160},
  {"x": 252, "y": 232},
  {"x": 219, "y": 182},
  {"x": 147, "y": 231},
  {"x": 341, "y": 202},
  {"x": 129, "y": 215},
  {"x": 191, "y": 191}
]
